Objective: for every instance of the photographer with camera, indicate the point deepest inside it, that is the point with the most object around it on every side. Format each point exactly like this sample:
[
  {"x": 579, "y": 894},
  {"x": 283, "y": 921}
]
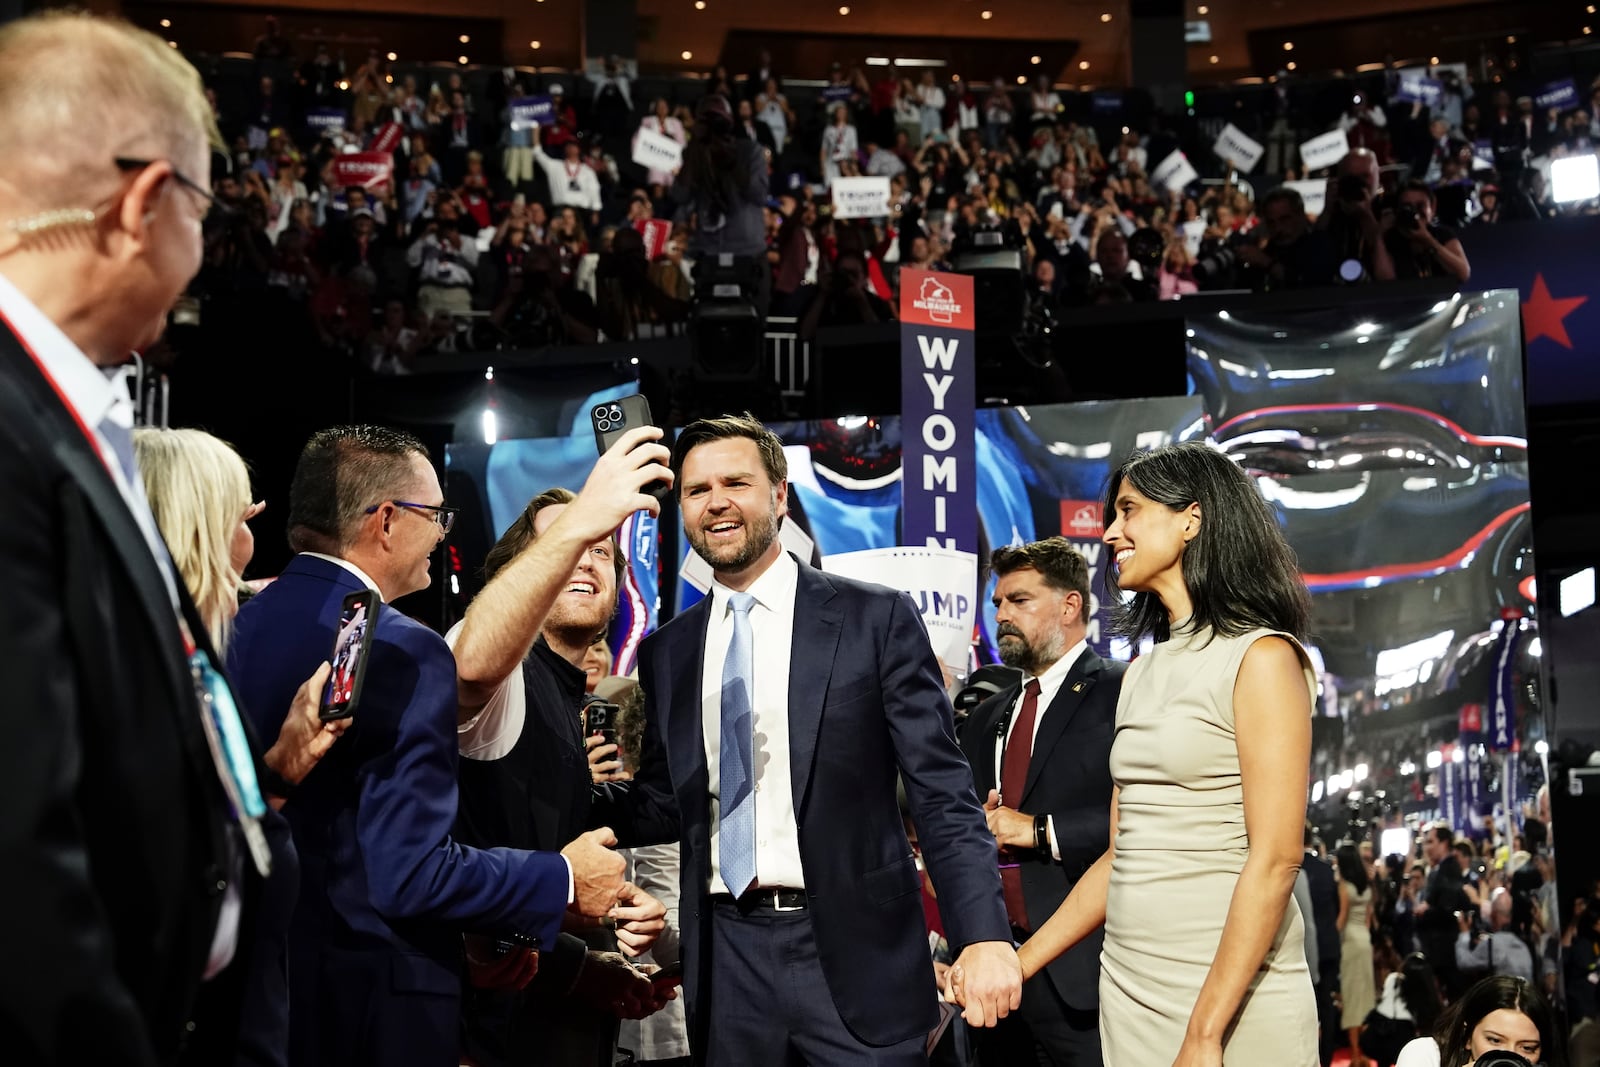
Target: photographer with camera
[
  {"x": 1351, "y": 223},
  {"x": 845, "y": 299},
  {"x": 1284, "y": 252},
  {"x": 446, "y": 266},
  {"x": 1418, "y": 246},
  {"x": 1499, "y": 1022},
  {"x": 1498, "y": 951}
]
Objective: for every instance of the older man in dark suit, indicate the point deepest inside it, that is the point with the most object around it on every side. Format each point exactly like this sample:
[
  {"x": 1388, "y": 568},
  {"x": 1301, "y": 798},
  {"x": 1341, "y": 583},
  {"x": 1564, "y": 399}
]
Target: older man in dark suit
[
  {"x": 1040, "y": 752},
  {"x": 127, "y": 868}
]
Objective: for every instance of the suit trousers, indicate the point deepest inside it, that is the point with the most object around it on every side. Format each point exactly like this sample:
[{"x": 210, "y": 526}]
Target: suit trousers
[
  {"x": 1045, "y": 1031},
  {"x": 769, "y": 1000}
]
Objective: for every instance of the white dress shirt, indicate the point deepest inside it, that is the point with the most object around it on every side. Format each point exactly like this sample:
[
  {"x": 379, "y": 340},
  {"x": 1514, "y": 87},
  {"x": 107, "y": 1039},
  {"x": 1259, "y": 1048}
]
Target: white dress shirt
[
  {"x": 95, "y": 395},
  {"x": 1049, "y": 685},
  {"x": 772, "y": 634}
]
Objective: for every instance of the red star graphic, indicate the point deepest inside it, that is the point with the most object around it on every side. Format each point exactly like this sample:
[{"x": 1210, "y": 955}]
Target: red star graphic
[{"x": 1544, "y": 316}]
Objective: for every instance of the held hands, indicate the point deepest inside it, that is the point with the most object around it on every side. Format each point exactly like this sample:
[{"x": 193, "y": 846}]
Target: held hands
[
  {"x": 1011, "y": 828},
  {"x": 596, "y": 873},
  {"x": 615, "y": 488},
  {"x": 640, "y": 917},
  {"x": 986, "y": 981},
  {"x": 304, "y": 738},
  {"x": 604, "y": 766}
]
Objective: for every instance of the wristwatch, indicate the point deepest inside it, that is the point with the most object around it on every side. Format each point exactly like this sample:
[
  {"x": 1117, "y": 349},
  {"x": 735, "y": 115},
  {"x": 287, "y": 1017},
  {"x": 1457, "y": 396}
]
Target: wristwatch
[{"x": 1041, "y": 833}]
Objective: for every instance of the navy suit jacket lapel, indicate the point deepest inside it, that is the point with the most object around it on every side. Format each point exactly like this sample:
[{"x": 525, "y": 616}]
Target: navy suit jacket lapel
[
  {"x": 685, "y": 736},
  {"x": 1053, "y": 727},
  {"x": 818, "y": 622}
]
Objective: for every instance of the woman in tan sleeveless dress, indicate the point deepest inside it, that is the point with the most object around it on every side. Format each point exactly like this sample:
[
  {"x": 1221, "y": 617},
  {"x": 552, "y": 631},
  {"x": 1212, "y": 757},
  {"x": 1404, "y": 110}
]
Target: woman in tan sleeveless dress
[
  {"x": 1204, "y": 961},
  {"x": 1358, "y": 987}
]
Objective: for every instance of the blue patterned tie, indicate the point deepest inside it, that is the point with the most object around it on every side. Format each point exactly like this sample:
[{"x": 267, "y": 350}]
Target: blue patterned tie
[{"x": 736, "y": 762}]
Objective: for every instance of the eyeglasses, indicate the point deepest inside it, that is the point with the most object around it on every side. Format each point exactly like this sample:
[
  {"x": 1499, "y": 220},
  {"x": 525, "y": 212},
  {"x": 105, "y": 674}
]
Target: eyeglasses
[
  {"x": 126, "y": 164},
  {"x": 444, "y": 516}
]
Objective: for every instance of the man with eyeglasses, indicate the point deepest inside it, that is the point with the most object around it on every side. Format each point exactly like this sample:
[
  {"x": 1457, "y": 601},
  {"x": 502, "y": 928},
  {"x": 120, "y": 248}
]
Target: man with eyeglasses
[
  {"x": 135, "y": 833},
  {"x": 375, "y": 946}
]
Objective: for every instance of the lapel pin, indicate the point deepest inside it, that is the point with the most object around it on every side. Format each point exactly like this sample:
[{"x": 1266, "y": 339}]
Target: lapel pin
[{"x": 1078, "y": 687}]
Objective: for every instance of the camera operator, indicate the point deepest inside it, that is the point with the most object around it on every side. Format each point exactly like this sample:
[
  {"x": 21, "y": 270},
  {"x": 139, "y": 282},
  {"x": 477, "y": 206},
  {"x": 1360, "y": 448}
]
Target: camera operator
[
  {"x": 1418, "y": 246},
  {"x": 845, "y": 299},
  {"x": 1500, "y": 950},
  {"x": 1285, "y": 252},
  {"x": 1352, "y": 225}
]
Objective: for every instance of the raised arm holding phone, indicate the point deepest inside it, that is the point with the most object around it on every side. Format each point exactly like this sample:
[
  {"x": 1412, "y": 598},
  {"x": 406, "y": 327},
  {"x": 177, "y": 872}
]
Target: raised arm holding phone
[{"x": 551, "y": 590}]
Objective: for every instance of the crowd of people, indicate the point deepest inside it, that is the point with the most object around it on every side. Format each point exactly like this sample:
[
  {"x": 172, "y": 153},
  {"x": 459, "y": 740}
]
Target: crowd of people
[
  {"x": 1398, "y": 938},
  {"x": 466, "y": 857},
  {"x": 501, "y": 231}
]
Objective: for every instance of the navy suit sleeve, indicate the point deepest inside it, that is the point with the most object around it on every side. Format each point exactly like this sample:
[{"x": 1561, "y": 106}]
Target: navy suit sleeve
[
  {"x": 415, "y": 868},
  {"x": 955, "y": 839},
  {"x": 648, "y": 814}
]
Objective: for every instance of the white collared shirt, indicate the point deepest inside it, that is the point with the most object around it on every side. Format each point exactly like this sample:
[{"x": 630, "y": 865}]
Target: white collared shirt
[
  {"x": 1049, "y": 685},
  {"x": 772, "y": 635},
  {"x": 360, "y": 574},
  {"x": 95, "y": 395}
]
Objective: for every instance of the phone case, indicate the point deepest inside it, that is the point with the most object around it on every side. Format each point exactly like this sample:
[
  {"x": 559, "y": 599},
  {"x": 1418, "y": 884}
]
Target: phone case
[{"x": 614, "y": 418}]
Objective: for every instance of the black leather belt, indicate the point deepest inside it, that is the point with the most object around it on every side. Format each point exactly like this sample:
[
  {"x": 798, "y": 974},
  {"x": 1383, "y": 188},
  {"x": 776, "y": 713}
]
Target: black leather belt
[{"x": 764, "y": 900}]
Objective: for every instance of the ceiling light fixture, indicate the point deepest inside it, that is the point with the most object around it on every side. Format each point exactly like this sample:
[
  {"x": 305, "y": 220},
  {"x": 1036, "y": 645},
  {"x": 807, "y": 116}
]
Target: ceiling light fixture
[
  {"x": 1035, "y": 60},
  {"x": 1105, "y": 16},
  {"x": 1288, "y": 46},
  {"x": 1215, "y": 59},
  {"x": 465, "y": 39},
  {"x": 393, "y": 56},
  {"x": 166, "y": 24},
  {"x": 686, "y": 54},
  {"x": 1083, "y": 65},
  {"x": 462, "y": 60},
  {"x": 986, "y": 15},
  {"x": 535, "y": 45}
]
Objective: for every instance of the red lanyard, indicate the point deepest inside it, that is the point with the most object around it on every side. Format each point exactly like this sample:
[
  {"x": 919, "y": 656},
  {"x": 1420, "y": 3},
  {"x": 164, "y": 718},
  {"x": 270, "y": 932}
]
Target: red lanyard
[{"x": 83, "y": 427}]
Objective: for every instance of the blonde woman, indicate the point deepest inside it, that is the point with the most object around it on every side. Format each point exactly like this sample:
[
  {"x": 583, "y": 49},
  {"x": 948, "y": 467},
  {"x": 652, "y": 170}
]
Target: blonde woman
[{"x": 199, "y": 492}]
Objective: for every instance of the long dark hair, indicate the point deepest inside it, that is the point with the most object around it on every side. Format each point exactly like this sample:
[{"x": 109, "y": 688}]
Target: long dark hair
[
  {"x": 1419, "y": 989},
  {"x": 1454, "y": 1033},
  {"x": 1351, "y": 869},
  {"x": 712, "y": 166},
  {"x": 1240, "y": 572}
]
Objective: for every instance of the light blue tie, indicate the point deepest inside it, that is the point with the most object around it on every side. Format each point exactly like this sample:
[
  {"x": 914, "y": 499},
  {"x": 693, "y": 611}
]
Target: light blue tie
[
  {"x": 120, "y": 438},
  {"x": 736, "y": 762}
]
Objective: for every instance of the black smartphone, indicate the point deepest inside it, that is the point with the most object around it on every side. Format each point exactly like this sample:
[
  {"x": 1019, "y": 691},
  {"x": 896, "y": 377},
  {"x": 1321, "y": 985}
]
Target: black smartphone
[
  {"x": 351, "y": 644},
  {"x": 615, "y": 418},
  {"x": 599, "y": 717},
  {"x": 672, "y": 972}
]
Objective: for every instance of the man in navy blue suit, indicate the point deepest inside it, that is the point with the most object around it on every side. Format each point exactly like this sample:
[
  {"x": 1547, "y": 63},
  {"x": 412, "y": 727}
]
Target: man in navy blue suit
[
  {"x": 779, "y": 712},
  {"x": 375, "y": 947}
]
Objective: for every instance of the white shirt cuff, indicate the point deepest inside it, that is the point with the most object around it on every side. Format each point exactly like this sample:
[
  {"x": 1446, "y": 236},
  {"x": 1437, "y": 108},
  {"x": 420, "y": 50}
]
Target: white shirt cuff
[
  {"x": 1055, "y": 846},
  {"x": 572, "y": 894}
]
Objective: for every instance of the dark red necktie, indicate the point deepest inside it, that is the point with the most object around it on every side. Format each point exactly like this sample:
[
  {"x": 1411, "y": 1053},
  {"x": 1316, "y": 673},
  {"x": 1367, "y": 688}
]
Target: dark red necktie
[{"x": 1013, "y": 779}]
